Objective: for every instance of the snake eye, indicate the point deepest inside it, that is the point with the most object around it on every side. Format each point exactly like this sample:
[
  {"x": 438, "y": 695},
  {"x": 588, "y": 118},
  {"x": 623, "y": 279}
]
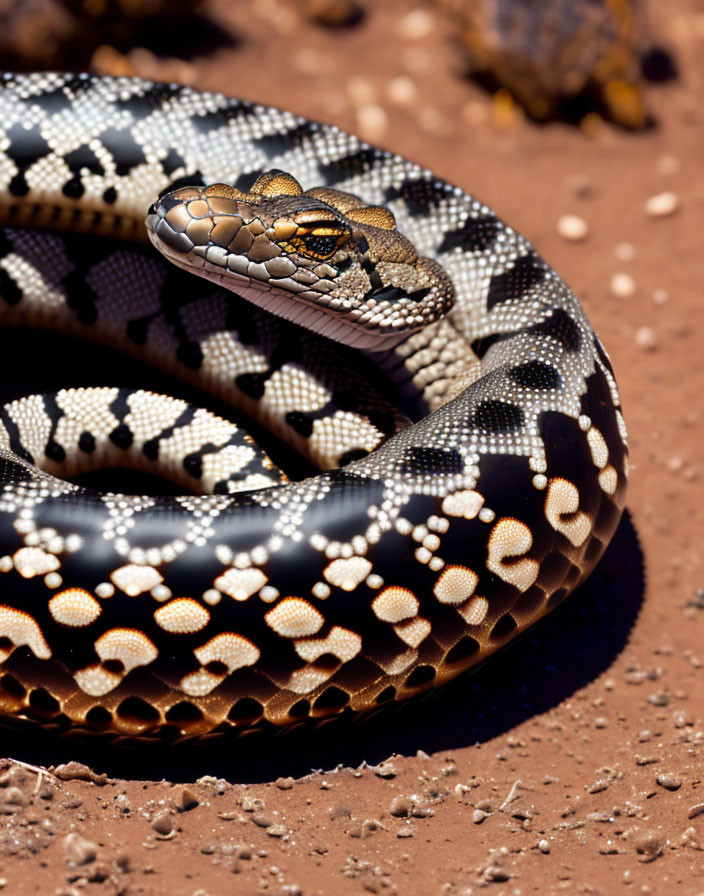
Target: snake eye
[
  {"x": 319, "y": 239},
  {"x": 323, "y": 243}
]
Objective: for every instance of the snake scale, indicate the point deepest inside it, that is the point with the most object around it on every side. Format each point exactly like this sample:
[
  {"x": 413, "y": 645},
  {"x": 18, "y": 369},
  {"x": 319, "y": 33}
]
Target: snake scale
[{"x": 472, "y": 463}]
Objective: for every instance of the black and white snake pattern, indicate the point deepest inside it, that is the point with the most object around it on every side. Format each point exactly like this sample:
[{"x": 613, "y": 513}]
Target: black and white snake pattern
[{"x": 420, "y": 548}]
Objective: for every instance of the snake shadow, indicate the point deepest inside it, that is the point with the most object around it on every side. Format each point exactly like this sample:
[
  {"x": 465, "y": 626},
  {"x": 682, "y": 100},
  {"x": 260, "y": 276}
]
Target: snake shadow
[{"x": 561, "y": 654}]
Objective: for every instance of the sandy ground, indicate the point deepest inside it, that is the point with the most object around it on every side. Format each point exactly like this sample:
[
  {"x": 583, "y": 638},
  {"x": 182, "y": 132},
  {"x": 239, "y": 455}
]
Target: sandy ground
[{"x": 573, "y": 762}]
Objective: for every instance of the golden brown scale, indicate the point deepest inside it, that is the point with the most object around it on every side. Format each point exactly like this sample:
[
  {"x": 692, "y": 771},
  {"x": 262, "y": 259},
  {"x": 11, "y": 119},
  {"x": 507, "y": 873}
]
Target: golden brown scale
[{"x": 338, "y": 199}]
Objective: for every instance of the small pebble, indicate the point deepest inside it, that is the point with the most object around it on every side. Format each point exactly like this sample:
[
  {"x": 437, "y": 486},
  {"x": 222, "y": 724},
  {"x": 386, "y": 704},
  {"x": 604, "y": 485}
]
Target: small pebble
[
  {"x": 645, "y": 338},
  {"x": 46, "y": 791},
  {"x": 689, "y": 838},
  {"x": 647, "y": 760},
  {"x": 659, "y": 698},
  {"x": 163, "y": 825},
  {"x": 598, "y": 786},
  {"x": 669, "y": 782},
  {"x": 372, "y": 121},
  {"x": 695, "y": 811},
  {"x": 544, "y": 846},
  {"x": 485, "y": 806},
  {"x": 276, "y": 830},
  {"x": 184, "y": 799},
  {"x": 573, "y": 228},
  {"x": 78, "y": 850},
  {"x": 262, "y": 820},
  {"x": 285, "y": 783},
  {"x": 385, "y": 770},
  {"x": 622, "y": 285},
  {"x": 650, "y": 846},
  {"x": 662, "y": 205},
  {"x": 681, "y": 719},
  {"x": 636, "y": 676},
  {"x": 422, "y": 812},
  {"x": 479, "y": 815},
  {"x": 600, "y": 817},
  {"x": 371, "y": 826},
  {"x": 401, "y": 806},
  {"x": 416, "y": 24},
  {"x": 230, "y": 816},
  {"x": 13, "y": 796},
  {"x": 122, "y": 802}
]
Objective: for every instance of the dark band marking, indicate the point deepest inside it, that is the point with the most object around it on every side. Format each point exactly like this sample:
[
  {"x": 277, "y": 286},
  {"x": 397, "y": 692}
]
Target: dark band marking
[
  {"x": 277, "y": 144},
  {"x": 475, "y": 235},
  {"x": 350, "y": 166},
  {"x": 420, "y": 460},
  {"x": 420, "y": 195},
  {"x": 536, "y": 375},
  {"x": 516, "y": 283},
  {"x": 497, "y": 417}
]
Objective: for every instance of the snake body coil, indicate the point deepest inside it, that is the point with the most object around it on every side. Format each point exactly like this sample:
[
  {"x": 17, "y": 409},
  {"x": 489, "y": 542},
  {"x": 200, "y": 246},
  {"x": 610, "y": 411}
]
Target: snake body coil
[{"x": 419, "y": 550}]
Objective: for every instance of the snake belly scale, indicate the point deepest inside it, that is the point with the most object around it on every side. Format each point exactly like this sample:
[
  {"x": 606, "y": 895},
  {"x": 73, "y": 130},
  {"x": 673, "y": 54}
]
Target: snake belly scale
[{"x": 421, "y": 547}]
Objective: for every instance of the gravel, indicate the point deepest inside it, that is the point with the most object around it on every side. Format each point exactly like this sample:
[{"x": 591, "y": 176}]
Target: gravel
[
  {"x": 573, "y": 228},
  {"x": 622, "y": 285},
  {"x": 662, "y": 205}
]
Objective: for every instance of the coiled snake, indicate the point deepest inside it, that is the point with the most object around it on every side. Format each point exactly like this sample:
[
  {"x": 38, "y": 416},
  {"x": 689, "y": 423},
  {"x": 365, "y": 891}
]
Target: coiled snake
[{"x": 419, "y": 549}]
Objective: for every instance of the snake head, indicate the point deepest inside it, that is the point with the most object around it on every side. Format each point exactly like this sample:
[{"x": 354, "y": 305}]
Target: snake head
[{"x": 321, "y": 258}]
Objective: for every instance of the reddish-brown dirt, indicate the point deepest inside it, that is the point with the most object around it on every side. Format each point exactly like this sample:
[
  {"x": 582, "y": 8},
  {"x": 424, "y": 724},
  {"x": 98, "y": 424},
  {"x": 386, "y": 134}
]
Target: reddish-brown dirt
[{"x": 571, "y": 763}]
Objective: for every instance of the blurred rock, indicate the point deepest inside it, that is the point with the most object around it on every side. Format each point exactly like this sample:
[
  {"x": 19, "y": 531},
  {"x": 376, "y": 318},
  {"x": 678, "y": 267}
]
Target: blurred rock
[
  {"x": 334, "y": 13},
  {"x": 559, "y": 57},
  {"x": 64, "y": 33}
]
